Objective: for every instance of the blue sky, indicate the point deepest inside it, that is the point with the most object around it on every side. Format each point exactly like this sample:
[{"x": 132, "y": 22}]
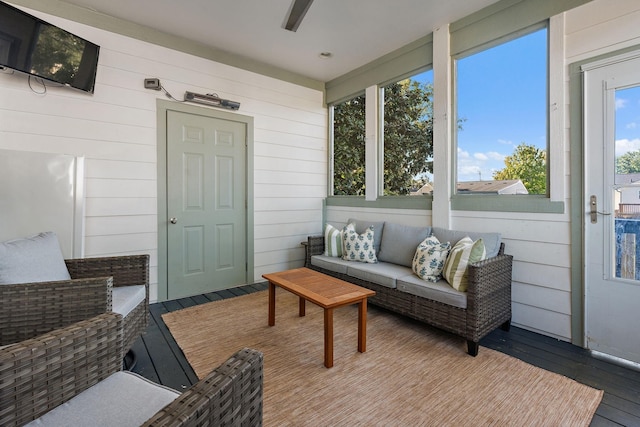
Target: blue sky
[
  {"x": 502, "y": 101},
  {"x": 627, "y": 120}
]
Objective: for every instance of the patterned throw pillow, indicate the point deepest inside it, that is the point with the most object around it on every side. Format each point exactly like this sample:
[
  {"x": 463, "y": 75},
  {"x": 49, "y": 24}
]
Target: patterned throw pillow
[
  {"x": 332, "y": 241},
  {"x": 429, "y": 259},
  {"x": 359, "y": 247},
  {"x": 464, "y": 252}
]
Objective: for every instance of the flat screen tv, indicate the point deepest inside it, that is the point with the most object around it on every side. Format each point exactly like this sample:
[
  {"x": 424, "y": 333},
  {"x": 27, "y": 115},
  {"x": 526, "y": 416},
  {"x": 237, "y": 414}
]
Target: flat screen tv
[{"x": 38, "y": 48}]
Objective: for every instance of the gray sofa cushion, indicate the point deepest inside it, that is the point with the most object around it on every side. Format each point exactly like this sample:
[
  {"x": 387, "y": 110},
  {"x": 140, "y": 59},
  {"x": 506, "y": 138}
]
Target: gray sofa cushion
[
  {"x": 439, "y": 291},
  {"x": 399, "y": 243},
  {"x": 33, "y": 259},
  {"x": 491, "y": 240},
  {"x": 378, "y": 230},
  {"x": 123, "y": 399},
  {"x": 382, "y": 273},
  {"x": 337, "y": 265}
]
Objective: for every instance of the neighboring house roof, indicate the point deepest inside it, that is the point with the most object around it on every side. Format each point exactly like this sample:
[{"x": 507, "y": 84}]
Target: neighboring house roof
[
  {"x": 627, "y": 178},
  {"x": 509, "y": 186}
]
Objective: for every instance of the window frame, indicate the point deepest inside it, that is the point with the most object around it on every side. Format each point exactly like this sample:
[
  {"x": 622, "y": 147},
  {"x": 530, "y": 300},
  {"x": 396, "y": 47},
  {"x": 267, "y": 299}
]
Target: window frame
[{"x": 454, "y": 123}]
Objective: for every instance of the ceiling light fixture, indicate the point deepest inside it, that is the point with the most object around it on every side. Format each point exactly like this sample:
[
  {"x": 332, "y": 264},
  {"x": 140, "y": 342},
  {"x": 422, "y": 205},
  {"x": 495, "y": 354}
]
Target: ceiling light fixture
[{"x": 211, "y": 99}]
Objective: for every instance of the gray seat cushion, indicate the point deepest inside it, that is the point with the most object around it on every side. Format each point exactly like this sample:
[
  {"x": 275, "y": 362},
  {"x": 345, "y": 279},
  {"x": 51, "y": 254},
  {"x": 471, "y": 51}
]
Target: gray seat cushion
[
  {"x": 491, "y": 240},
  {"x": 399, "y": 243},
  {"x": 439, "y": 291},
  {"x": 126, "y": 298},
  {"x": 123, "y": 399},
  {"x": 337, "y": 265},
  {"x": 382, "y": 273}
]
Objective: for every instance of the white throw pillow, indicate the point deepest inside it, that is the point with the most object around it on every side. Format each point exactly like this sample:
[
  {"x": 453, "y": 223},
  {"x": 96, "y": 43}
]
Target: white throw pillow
[
  {"x": 429, "y": 259},
  {"x": 33, "y": 259},
  {"x": 359, "y": 247},
  {"x": 332, "y": 241},
  {"x": 464, "y": 252}
]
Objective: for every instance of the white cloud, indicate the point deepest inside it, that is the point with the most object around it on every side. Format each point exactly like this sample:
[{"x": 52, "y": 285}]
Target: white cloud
[
  {"x": 479, "y": 165},
  {"x": 632, "y": 125},
  {"x": 494, "y": 155},
  {"x": 505, "y": 142},
  {"x": 625, "y": 145},
  {"x": 621, "y": 103},
  {"x": 462, "y": 154}
]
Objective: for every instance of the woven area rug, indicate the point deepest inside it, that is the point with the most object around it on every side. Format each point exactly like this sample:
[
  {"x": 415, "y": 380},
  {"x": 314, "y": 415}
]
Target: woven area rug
[{"x": 410, "y": 375}]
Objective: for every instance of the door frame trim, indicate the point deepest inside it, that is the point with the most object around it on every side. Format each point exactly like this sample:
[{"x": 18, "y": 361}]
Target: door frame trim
[
  {"x": 577, "y": 214},
  {"x": 162, "y": 107}
]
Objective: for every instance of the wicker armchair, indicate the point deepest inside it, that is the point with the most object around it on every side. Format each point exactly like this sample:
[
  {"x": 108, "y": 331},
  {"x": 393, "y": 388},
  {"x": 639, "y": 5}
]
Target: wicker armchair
[
  {"x": 40, "y": 374},
  {"x": 31, "y": 309}
]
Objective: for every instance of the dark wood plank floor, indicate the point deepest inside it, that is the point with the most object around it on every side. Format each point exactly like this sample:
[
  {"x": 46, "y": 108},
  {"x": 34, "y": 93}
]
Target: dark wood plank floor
[{"x": 160, "y": 359}]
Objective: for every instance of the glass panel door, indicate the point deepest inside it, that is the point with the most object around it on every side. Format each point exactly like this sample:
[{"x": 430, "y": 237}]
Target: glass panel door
[{"x": 626, "y": 188}]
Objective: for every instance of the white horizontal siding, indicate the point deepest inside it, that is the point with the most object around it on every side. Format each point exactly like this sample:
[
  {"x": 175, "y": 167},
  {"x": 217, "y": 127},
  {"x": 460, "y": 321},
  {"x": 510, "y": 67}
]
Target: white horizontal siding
[
  {"x": 115, "y": 129},
  {"x": 601, "y": 26}
]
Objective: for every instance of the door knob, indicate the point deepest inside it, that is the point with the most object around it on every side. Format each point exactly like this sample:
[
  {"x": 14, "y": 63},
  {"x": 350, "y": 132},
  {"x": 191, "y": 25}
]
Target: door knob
[{"x": 173, "y": 220}]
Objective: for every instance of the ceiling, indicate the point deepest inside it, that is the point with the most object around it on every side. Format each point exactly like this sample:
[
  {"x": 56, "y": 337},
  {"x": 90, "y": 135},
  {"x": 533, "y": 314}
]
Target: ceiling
[{"x": 355, "y": 32}]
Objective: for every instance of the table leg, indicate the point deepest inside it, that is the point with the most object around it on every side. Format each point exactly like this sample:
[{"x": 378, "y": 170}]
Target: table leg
[
  {"x": 272, "y": 304},
  {"x": 362, "y": 326},
  {"x": 301, "y": 307},
  {"x": 328, "y": 337}
]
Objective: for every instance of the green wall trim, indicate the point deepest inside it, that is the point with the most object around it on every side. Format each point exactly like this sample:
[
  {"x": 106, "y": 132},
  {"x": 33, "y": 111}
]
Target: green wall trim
[
  {"x": 162, "y": 106},
  {"x": 502, "y": 19},
  {"x": 576, "y": 191},
  {"x": 506, "y": 203},
  {"x": 404, "y": 62},
  {"x": 385, "y": 202},
  {"x": 151, "y": 35}
]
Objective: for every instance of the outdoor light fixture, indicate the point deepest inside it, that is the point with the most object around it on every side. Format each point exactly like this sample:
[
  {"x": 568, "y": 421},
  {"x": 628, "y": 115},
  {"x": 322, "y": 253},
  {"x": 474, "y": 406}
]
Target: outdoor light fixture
[{"x": 211, "y": 99}]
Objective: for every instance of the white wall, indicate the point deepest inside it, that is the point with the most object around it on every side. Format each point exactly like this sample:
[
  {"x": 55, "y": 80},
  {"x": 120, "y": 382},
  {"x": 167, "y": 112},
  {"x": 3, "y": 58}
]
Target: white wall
[{"x": 115, "y": 129}]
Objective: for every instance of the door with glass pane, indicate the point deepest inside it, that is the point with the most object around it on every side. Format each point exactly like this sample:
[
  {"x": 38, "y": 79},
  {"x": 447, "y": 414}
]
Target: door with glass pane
[{"x": 612, "y": 207}]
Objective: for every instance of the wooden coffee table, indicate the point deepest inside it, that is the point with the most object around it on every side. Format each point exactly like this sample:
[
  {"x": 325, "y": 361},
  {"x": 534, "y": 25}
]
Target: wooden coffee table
[{"x": 326, "y": 292}]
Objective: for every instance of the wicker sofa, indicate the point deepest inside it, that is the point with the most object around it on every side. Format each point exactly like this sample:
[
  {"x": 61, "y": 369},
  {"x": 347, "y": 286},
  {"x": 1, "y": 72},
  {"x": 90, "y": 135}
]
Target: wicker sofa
[
  {"x": 72, "y": 376},
  {"x": 485, "y": 306}
]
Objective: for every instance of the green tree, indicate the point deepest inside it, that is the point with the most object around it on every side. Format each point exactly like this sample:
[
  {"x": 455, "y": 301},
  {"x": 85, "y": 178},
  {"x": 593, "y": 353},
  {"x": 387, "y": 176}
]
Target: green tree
[
  {"x": 349, "y": 147},
  {"x": 408, "y": 134},
  {"x": 528, "y": 163},
  {"x": 628, "y": 163},
  {"x": 408, "y": 139}
]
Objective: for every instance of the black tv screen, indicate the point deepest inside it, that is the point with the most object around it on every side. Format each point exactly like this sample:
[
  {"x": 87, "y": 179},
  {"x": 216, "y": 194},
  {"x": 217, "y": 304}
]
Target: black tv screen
[{"x": 33, "y": 46}]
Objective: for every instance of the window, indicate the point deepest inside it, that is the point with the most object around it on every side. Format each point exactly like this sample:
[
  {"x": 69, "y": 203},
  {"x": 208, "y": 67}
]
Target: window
[
  {"x": 408, "y": 136},
  {"x": 349, "y": 147},
  {"x": 502, "y": 118}
]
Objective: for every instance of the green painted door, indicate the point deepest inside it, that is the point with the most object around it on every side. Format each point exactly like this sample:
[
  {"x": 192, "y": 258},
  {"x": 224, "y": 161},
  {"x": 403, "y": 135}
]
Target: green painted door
[{"x": 206, "y": 204}]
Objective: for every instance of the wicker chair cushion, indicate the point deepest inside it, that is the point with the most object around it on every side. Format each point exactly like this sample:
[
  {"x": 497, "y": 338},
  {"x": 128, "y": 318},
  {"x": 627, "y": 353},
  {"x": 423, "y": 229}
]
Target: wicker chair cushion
[
  {"x": 439, "y": 291},
  {"x": 491, "y": 240},
  {"x": 383, "y": 273},
  {"x": 126, "y": 298},
  {"x": 123, "y": 399},
  {"x": 399, "y": 243},
  {"x": 33, "y": 259}
]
